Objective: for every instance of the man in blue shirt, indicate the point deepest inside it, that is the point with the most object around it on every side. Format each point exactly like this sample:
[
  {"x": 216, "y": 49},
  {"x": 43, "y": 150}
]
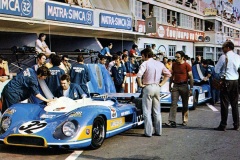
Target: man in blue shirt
[
  {"x": 209, "y": 75},
  {"x": 23, "y": 86},
  {"x": 53, "y": 81},
  {"x": 106, "y": 51},
  {"x": 119, "y": 75},
  {"x": 228, "y": 65},
  {"x": 68, "y": 89},
  {"x": 80, "y": 75}
]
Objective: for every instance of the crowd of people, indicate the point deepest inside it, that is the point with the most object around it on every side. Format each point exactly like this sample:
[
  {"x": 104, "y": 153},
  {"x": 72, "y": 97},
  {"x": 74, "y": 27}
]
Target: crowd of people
[{"x": 65, "y": 79}]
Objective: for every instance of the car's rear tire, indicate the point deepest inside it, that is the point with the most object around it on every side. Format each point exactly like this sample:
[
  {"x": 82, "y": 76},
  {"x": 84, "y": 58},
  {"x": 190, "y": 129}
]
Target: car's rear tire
[
  {"x": 98, "y": 132},
  {"x": 195, "y": 100}
]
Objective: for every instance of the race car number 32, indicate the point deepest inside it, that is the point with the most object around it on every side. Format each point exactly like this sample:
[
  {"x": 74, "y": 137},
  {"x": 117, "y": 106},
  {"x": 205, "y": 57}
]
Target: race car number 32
[{"x": 32, "y": 127}]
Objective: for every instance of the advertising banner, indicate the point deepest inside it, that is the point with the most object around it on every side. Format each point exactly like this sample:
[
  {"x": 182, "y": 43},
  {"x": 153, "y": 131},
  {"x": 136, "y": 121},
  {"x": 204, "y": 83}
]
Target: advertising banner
[
  {"x": 23, "y": 8},
  {"x": 115, "y": 21},
  {"x": 66, "y": 13}
]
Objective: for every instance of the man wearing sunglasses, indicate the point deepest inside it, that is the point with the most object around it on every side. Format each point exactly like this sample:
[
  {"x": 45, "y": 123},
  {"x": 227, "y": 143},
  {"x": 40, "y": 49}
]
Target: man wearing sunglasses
[
  {"x": 66, "y": 65},
  {"x": 181, "y": 73},
  {"x": 228, "y": 65}
]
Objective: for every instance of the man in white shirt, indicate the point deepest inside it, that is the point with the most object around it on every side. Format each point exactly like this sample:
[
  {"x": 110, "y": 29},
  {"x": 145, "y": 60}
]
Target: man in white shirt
[{"x": 227, "y": 66}]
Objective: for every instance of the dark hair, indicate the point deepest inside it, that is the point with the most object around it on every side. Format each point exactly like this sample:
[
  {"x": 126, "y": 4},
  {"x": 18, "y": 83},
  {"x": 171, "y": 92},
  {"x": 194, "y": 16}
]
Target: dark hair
[
  {"x": 169, "y": 60},
  {"x": 109, "y": 44},
  {"x": 65, "y": 77},
  {"x": 124, "y": 56},
  {"x": 165, "y": 58},
  {"x": 147, "y": 52},
  {"x": 153, "y": 45},
  {"x": 51, "y": 56},
  {"x": 119, "y": 53},
  {"x": 181, "y": 53},
  {"x": 40, "y": 55},
  {"x": 41, "y": 35},
  {"x": 1, "y": 60},
  {"x": 115, "y": 57},
  {"x": 101, "y": 57},
  {"x": 64, "y": 56},
  {"x": 43, "y": 71},
  {"x": 56, "y": 60},
  {"x": 80, "y": 58},
  {"x": 229, "y": 44},
  {"x": 186, "y": 56},
  {"x": 134, "y": 46},
  {"x": 125, "y": 50},
  {"x": 205, "y": 62}
]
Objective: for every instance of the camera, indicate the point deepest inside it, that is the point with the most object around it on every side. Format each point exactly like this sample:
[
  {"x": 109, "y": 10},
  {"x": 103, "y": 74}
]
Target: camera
[{"x": 223, "y": 76}]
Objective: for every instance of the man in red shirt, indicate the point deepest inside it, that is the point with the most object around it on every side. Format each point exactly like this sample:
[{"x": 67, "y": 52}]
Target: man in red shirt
[
  {"x": 181, "y": 73},
  {"x": 3, "y": 76}
]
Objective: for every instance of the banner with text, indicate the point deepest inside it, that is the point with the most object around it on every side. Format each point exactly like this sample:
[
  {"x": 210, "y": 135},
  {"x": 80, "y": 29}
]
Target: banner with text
[
  {"x": 176, "y": 33},
  {"x": 115, "y": 21},
  {"x": 22, "y": 8},
  {"x": 63, "y": 13}
]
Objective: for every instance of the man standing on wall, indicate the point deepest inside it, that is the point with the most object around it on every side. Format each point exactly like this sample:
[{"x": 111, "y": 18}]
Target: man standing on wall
[
  {"x": 148, "y": 78},
  {"x": 230, "y": 62},
  {"x": 181, "y": 73}
]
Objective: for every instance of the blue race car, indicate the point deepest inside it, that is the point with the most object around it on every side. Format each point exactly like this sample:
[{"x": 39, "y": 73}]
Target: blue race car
[
  {"x": 201, "y": 92},
  {"x": 66, "y": 123}
]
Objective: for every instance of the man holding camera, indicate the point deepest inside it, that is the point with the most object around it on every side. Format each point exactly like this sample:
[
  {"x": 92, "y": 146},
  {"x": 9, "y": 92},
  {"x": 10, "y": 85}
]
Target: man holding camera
[{"x": 227, "y": 66}]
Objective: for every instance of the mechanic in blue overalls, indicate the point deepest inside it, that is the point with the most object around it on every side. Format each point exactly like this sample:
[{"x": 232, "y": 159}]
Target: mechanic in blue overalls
[
  {"x": 23, "y": 86},
  {"x": 209, "y": 75},
  {"x": 68, "y": 89},
  {"x": 79, "y": 74},
  {"x": 53, "y": 81},
  {"x": 119, "y": 75}
]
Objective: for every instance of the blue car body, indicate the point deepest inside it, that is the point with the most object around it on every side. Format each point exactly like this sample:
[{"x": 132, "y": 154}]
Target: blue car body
[
  {"x": 39, "y": 126},
  {"x": 32, "y": 125}
]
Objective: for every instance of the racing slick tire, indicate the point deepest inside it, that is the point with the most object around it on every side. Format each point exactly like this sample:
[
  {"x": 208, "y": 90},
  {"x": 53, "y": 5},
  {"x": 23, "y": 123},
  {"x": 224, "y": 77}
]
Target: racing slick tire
[{"x": 98, "y": 132}]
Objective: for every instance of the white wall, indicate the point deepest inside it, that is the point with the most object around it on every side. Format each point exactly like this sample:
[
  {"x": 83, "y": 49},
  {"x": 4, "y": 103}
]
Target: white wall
[{"x": 166, "y": 43}]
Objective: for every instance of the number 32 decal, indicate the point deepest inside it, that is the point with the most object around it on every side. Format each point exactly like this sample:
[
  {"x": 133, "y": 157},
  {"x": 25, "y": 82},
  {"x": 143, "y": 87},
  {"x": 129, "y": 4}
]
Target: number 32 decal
[{"x": 32, "y": 127}]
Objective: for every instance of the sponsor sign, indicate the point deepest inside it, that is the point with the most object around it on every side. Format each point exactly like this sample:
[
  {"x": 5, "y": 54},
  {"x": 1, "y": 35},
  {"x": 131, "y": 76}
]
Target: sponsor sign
[
  {"x": 210, "y": 12},
  {"x": 22, "y": 8},
  {"x": 63, "y": 13},
  {"x": 115, "y": 123},
  {"x": 141, "y": 26},
  {"x": 175, "y": 33},
  {"x": 115, "y": 21}
]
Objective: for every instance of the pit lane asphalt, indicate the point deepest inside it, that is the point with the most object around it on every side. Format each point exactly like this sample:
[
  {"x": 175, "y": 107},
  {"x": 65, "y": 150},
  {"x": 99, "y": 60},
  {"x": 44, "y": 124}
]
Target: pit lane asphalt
[{"x": 197, "y": 141}]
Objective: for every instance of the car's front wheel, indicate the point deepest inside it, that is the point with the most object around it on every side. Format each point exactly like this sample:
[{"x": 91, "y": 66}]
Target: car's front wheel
[{"x": 98, "y": 132}]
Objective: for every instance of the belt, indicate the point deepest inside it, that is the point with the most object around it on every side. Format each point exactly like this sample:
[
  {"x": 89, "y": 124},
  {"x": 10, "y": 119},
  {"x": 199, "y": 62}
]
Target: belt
[{"x": 181, "y": 83}]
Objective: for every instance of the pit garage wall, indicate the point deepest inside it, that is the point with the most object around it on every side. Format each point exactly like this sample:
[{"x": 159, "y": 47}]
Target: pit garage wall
[
  {"x": 59, "y": 43},
  {"x": 163, "y": 45}
]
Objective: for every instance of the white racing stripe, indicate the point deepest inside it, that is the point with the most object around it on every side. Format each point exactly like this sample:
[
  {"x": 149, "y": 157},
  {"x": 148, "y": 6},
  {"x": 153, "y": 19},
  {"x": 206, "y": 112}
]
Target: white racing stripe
[
  {"x": 74, "y": 155},
  {"x": 212, "y": 107}
]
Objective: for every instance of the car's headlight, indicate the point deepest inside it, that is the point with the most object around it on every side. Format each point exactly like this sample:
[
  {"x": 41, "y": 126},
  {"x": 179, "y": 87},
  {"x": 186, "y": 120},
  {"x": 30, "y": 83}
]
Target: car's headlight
[
  {"x": 6, "y": 122},
  {"x": 68, "y": 129}
]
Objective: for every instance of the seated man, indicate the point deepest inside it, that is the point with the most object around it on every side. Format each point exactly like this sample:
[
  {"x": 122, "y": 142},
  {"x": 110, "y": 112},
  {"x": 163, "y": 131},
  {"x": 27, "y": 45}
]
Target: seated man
[{"x": 68, "y": 89}]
